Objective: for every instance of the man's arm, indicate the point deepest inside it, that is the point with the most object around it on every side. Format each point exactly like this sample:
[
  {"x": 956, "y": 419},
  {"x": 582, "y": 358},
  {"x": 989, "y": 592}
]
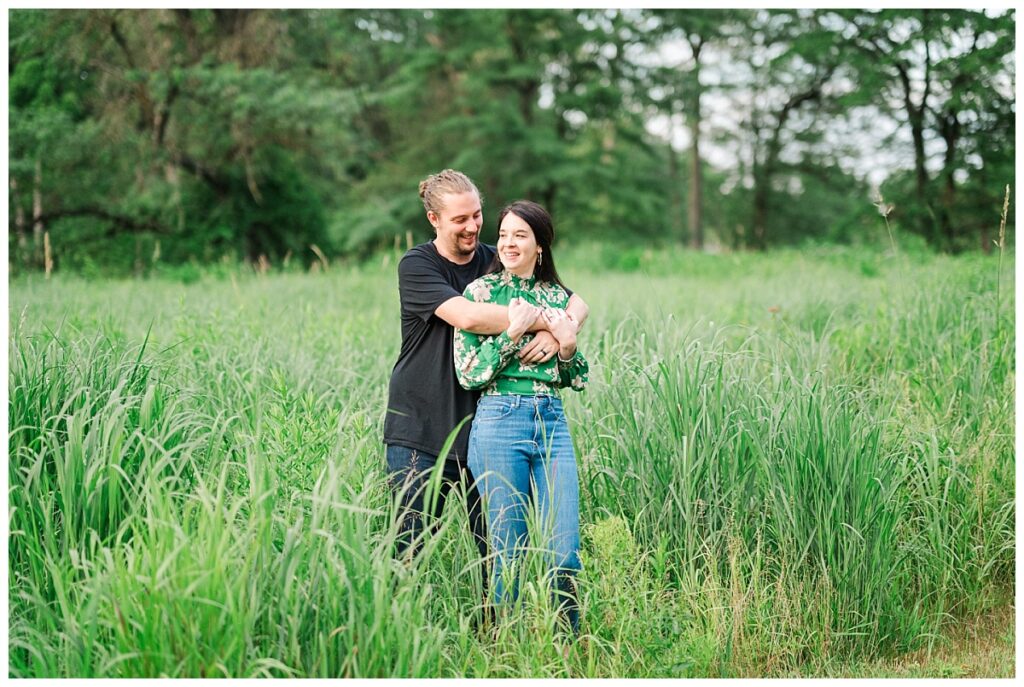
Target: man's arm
[
  {"x": 479, "y": 318},
  {"x": 578, "y": 310},
  {"x": 491, "y": 319}
]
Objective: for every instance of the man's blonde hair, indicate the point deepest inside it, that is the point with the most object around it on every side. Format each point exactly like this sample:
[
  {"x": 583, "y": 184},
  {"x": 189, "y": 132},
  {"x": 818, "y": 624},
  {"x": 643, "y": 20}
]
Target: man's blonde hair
[{"x": 446, "y": 181}]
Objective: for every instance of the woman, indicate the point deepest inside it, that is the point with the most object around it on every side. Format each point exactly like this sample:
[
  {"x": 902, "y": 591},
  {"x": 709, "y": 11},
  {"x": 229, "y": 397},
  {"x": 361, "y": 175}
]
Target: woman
[{"x": 519, "y": 434}]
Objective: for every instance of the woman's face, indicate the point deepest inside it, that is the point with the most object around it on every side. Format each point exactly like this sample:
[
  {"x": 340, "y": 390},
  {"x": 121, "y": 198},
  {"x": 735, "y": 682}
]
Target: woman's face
[{"x": 517, "y": 246}]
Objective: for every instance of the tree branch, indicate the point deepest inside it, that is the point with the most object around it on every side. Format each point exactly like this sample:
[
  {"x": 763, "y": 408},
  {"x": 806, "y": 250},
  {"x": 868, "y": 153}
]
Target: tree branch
[
  {"x": 116, "y": 220},
  {"x": 122, "y": 43},
  {"x": 188, "y": 28},
  {"x": 145, "y": 102},
  {"x": 190, "y": 165},
  {"x": 165, "y": 114}
]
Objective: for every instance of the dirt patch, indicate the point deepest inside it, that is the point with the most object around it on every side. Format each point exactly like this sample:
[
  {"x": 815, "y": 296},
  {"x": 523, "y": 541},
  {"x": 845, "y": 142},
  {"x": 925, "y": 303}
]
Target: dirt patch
[{"x": 983, "y": 647}]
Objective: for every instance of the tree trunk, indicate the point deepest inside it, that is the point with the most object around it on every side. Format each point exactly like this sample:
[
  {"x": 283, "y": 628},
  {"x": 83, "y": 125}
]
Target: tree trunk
[
  {"x": 765, "y": 171},
  {"x": 19, "y": 222},
  {"x": 927, "y": 226},
  {"x": 675, "y": 218},
  {"x": 695, "y": 214},
  {"x": 138, "y": 256},
  {"x": 986, "y": 239},
  {"x": 915, "y": 115},
  {"x": 761, "y": 181},
  {"x": 946, "y": 215},
  {"x": 949, "y": 126},
  {"x": 47, "y": 254},
  {"x": 171, "y": 174},
  {"x": 37, "y": 213}
]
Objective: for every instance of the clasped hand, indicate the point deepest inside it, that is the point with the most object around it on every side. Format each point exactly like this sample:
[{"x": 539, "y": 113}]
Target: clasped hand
[
  {"x": 522, "y": 316},
  {"x": 557, "y": 331},
  {"x": 563, "y": 329}
]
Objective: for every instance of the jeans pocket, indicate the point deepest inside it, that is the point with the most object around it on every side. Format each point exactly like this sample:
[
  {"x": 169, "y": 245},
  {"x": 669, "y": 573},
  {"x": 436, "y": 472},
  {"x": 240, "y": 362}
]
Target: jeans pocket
[
  {"x": 493, "y": 408},
  {"x": 555, "y": 413}
]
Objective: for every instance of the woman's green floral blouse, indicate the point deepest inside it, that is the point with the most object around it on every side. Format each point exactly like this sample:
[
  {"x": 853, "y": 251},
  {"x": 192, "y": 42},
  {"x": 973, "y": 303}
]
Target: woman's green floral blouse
[{"x": 490, "y": 363}]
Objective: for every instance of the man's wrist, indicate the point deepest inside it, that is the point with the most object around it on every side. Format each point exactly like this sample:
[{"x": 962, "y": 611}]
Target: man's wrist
[
  {"x": 572, "y": 318},
  {"x": 566, "y": 350}
]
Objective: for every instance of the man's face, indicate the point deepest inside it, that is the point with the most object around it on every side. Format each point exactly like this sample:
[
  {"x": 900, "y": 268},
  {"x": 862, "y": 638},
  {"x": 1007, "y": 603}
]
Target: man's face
[{"x": 458, "y": 224}]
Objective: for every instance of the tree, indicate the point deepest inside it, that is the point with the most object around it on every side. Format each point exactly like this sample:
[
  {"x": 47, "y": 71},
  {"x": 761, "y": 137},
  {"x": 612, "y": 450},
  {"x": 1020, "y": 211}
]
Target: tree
[
  {"x": 46, "y": 108},
  {"x": 203, "y": 119},
  {"x": 262, "y": 133},
  {"x": 784, "y": 72},
  {"x": 972, "y": 53},
  {"x": 934, "y": 70},
  {"x": 698, "y": 30}
]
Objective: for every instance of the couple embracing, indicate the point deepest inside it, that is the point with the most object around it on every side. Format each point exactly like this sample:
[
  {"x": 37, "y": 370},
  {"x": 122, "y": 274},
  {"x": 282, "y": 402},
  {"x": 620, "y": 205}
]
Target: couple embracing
[{"x": 488, "y": 332}]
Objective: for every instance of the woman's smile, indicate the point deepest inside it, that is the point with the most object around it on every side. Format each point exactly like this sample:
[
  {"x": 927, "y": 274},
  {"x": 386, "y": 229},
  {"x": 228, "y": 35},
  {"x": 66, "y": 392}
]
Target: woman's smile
[{"x": 517, "y": 245}]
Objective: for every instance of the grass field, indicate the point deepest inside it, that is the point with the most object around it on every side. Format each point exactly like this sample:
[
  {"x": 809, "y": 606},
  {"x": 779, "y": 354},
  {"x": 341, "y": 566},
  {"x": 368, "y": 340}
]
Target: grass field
[{"x": 791, "y": 463}]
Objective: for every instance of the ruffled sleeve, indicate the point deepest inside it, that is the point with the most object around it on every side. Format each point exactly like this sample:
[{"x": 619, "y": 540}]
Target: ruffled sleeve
[
  {"x": 479, "y": 358},
  {"x": 574, "y": 374}
]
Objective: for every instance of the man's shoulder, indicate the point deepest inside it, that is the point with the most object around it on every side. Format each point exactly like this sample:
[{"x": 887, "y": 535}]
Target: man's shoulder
[
  {"x": 421, "y": 259},
  {"x": 424, "y": 251}
]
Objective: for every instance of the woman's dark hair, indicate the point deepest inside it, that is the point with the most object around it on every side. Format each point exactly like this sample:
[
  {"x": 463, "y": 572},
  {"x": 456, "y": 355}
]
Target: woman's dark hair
[{"x": 543, "y": 232}]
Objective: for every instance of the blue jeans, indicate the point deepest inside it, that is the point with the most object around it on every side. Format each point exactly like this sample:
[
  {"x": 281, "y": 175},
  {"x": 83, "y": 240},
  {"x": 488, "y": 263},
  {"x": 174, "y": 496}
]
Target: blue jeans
[
  {"x": 520, "y": 451},
  {"x": 408, "y": 474}
]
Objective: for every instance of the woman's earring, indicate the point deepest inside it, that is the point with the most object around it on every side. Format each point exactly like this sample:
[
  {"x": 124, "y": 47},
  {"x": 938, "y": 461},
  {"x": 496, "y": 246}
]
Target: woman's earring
[{"x": 540, "y": 259}]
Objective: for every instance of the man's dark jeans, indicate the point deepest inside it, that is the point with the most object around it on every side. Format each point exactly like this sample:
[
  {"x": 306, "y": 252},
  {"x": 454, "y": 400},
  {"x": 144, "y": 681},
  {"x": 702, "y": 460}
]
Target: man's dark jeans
[{"x": 409, "y": 473}]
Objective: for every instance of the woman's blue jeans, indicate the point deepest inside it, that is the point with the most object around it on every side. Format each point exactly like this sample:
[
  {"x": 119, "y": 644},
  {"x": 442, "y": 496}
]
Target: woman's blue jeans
[{"x": 521, "y": 455}]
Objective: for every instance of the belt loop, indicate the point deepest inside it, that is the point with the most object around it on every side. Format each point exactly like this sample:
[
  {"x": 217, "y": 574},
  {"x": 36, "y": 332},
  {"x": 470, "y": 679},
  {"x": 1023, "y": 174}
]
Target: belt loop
[{"x": 516, "y": 398}]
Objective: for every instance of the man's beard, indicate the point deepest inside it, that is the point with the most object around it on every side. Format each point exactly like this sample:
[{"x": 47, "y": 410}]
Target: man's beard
[{"x": 459, "y": 250}]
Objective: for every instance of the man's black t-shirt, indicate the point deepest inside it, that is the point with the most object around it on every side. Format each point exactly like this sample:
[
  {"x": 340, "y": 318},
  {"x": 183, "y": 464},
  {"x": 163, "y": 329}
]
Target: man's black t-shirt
[{"x": 425, "y": 401}]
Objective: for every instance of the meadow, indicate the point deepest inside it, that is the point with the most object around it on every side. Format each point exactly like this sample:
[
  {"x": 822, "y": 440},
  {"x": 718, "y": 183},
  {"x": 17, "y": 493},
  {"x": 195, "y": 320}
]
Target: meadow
[{"x": 789, "y": 462}]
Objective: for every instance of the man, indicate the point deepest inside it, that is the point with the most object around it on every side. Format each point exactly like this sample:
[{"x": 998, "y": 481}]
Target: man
[{"x": 425, "y": 401}]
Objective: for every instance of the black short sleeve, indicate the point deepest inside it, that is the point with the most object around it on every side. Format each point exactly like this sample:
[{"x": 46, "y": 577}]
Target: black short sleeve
[
  {"x": 422, "y": 286},
  {"x": 425, "y": 400}
]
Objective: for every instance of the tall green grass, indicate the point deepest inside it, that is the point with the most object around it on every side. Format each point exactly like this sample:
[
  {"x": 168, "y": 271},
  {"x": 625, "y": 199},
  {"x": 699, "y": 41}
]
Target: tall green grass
[{"x": 785, "y": 459}]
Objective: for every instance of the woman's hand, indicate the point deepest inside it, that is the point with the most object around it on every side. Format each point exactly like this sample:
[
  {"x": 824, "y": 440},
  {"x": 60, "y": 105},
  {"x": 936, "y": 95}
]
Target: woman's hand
[
  {"x": 563, "y": 329},
  {"x": 541, "y": 348},
  {"x": 521, "y": 316}
]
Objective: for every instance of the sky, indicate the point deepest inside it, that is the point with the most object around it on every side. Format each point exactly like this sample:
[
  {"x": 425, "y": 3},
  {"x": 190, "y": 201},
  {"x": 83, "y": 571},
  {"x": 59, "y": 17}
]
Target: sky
[{"x": 880, "y": 144}]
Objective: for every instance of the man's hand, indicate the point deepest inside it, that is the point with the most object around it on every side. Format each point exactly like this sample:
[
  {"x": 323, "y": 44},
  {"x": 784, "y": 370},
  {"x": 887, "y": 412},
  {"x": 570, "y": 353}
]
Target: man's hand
[
  {"x": 540, "y": 350},
  {"x": 560, "y": 325},
  {"x": 578, "y": 311},
  {"x": 563, "y": 329}
]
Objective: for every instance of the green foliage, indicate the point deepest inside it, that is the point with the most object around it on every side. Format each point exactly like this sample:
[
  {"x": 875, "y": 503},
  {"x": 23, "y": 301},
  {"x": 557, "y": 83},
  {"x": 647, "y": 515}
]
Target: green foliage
[{"x": 253, "y": 133}]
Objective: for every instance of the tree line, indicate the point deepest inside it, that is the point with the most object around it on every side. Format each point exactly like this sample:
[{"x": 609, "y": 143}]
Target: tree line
[{"x": 191, "y": 135}]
